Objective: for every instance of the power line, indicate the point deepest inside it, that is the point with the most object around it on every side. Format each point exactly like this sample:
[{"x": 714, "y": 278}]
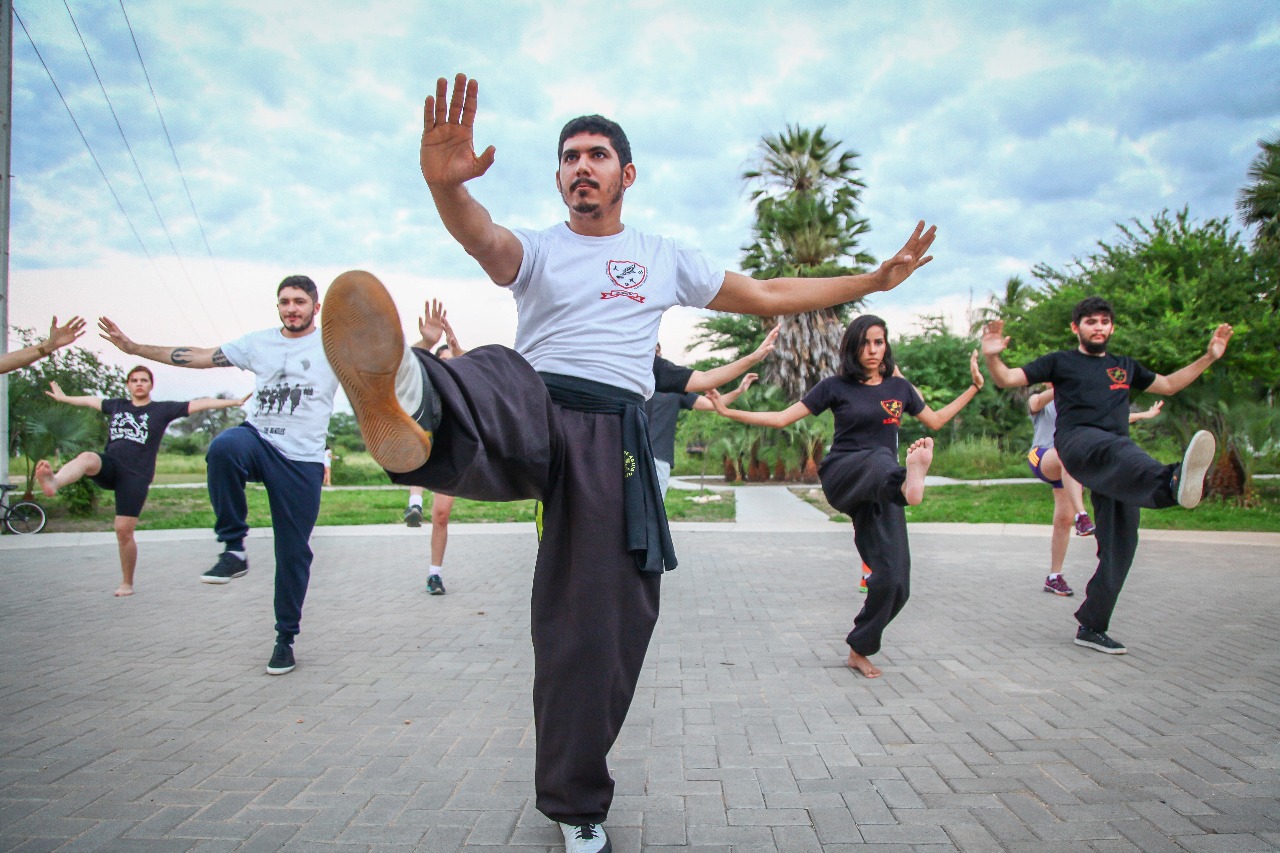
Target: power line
[
  {"x": 138, "y": 169},
  {"x": 172, "y": 150},
  {"x": 103, "y": 172}
]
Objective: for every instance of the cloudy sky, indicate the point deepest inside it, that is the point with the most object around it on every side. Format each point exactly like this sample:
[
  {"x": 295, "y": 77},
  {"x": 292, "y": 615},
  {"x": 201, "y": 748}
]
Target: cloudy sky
[{"x": 1025, "y": 131}]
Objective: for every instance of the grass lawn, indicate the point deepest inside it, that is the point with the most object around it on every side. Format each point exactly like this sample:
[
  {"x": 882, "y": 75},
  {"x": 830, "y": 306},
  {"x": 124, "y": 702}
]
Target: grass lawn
[
  {"x": 1033, "y": 504},
  {"x": 168, "y": 509}
]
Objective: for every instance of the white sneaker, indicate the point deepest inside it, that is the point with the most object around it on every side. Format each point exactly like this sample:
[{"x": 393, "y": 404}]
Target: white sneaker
[
  {"x": 1195, "y": 464},
  {"x": 588, "y": 838}
]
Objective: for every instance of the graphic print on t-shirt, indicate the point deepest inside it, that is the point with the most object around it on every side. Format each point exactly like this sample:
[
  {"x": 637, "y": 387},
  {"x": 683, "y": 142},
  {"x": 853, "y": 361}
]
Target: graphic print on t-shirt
[
  {"x": 628, "y": 275},
  {"x": 124, "y": 426},
  {"x": 1119, "y": 376},
  {"x": 894, "y": 408},
  {"x": 281, "y": 396}
]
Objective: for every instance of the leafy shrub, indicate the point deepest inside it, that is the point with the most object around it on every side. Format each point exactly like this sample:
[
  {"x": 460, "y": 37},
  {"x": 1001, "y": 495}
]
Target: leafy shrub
[{"x": 80, "y": 498}]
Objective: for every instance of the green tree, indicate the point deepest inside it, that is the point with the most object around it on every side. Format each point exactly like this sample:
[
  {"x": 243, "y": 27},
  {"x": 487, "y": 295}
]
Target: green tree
[
  {"x": 34, "y": 429},
  {"x": 1009, "y": 306},
  {"x": 936, "y": 361},
  {"x": 1259, "y": 201},
  {"x": 807, "y": 191},
  {"x": 1171, "y": 280}
]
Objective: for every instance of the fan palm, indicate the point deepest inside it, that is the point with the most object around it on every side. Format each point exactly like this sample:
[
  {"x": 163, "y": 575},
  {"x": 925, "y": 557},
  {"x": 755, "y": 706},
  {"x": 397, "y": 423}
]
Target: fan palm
[{"x": 1259, "y": 201}]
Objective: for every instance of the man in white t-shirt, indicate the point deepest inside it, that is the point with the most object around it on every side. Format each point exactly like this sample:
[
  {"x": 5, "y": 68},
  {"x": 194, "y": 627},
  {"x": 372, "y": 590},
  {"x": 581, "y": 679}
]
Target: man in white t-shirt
[
  {"x": 559, "y": 419},
  {"x": 281, "y": 444}
]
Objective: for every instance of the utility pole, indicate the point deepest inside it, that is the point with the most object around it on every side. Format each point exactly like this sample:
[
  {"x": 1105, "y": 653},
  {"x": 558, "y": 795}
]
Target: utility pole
[{"x": 6, "y": 136}]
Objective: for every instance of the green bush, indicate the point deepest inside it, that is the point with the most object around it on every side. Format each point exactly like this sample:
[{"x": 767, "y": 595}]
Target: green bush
[
  {"x": 977, "y": 458},
  {"x": 80, "y": 498}
]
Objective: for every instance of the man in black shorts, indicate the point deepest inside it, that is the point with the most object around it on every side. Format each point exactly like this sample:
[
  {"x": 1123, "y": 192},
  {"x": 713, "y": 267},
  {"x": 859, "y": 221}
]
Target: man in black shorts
[
  {"x": 1092, "y": 388},
  {"x": 128, "y": 463}
]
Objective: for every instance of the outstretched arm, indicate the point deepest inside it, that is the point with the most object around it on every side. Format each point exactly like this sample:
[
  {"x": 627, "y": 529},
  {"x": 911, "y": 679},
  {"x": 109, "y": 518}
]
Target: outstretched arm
[
  {"x": 1147, "y": 415},
  {"x": 1038, "y": 401},
  {"x": 777, "y": 420},
  {"x": 1179, "y": 379},
  {"x": 702, "y": 404},
  {"x": 88, "y": 402},
  {"x": 705, "y": 380},
  {"x": 204, "y": 404},
  {"x": 59, "y": 336},
  {"x": 742, "y": 294},
  {"x": 938, "y": 419},
  {"x": 196, "y": 357},
  {"x": 448, "y": 161},
  {"x": 994, "y": 343}
]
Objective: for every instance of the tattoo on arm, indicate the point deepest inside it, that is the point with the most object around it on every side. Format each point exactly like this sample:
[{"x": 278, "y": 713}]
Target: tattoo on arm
[
  {"x": 181, "y": 356},
  {"x": 220, "y": 359}
]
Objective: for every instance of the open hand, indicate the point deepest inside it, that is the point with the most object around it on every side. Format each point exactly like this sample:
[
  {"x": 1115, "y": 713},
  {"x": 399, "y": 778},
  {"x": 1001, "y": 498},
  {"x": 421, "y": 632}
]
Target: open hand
[
  {"x": 56, "y": 392},
  {"x": 767, "y": 346},
  {"x": 909, "y": 258},
  {"x": 447, "y": 154},
  {"x": 111, "y": 332},
  {"x": 978, "y": 379},
  {"x": 60, "y": 336},
  {"x": 993, "y": 339},
  {"x": 716, "y": 400},
  {"x": 1218, "y": 343},
  {"x": 432, "y": 323}
]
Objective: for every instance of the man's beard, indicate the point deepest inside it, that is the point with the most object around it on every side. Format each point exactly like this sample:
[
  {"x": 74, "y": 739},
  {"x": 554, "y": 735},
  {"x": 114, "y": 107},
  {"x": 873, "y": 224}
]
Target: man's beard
[
  {"x": 1095, "y": 347},
  {"x": 592, "y": 208},
  {"x": 301, "y": 325}
]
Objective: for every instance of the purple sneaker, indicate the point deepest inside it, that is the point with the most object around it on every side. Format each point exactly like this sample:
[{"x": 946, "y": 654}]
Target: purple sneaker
[
  {"x": 1084, "y": 525},
  {"x": 1057, "y": 586}
]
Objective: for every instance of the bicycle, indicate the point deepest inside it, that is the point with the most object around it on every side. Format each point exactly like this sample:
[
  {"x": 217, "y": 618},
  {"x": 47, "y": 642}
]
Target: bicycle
[{"x": 20, "y": 517}]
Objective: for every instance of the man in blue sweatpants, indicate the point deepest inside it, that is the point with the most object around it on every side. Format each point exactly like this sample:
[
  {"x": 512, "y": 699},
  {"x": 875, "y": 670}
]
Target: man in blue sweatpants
[{"x": 280, "y": 446}]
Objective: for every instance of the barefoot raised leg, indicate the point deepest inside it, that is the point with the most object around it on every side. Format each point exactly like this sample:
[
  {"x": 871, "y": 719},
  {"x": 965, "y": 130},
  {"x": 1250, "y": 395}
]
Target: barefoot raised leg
[
  {"x": 919, "y": 457},
  {"x": 863, "y": 665}
]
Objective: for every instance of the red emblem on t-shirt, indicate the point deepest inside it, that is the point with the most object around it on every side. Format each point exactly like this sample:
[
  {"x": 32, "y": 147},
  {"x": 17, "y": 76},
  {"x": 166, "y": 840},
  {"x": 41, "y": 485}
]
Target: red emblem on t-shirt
[
  {"x": 1119, "y": 377},
  {"x": 894, "y": 408},
  {"x": 627, "y": 275}
]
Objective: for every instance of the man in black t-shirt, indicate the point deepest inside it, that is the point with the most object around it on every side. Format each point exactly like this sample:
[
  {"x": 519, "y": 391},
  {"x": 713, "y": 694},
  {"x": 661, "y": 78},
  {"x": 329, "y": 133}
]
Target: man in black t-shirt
[
  {"x": 1092, "y": 389},
  {"x": 128, "y": 463}
]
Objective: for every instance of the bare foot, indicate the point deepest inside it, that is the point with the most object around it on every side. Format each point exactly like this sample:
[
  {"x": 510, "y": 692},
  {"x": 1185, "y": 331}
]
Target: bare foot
[
  {"x": 125, "y": 589},
  {"x": 863, "y": 665},
  {"x": 919, "y": 457},
  {"x": 44, "y": 475}
]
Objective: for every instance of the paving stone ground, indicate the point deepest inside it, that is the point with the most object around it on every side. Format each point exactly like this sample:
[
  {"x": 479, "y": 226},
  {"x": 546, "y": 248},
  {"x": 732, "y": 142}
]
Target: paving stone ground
[{"x": 147, "y": 724}]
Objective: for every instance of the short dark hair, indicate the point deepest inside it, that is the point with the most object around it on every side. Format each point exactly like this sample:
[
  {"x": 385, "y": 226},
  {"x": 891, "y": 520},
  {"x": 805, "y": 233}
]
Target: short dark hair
[
  {"x": 601, "y": 125},
  {"x": 851, "y": 345},
  {"x": 301, "y": 282},
  {"x": 140, "y": 368},
  {"x": 1089, "y": 306},
  {"x": 442, "y": 348}
]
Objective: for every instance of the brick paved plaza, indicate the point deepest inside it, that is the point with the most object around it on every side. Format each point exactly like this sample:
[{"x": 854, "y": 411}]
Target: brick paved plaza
[{"x": 147, "y": 724}]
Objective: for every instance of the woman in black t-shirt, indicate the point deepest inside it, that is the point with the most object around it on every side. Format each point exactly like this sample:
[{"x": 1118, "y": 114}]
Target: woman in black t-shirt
[
  {"x": 861, "y": 475},
  {"x": 128, "y": 463}
]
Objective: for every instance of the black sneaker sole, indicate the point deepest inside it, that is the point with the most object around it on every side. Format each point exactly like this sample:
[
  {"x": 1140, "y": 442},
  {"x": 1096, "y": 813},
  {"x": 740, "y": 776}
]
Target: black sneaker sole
[
  {"x": 1101, "y": 648},
  {"x": 222, "y": 578},
  {"x": 280, "y": 670},
  {"x": 364, "y": 344}
]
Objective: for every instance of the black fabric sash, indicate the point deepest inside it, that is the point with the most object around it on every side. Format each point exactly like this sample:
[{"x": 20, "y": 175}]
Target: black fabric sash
[{"x": 648, "y": 536}]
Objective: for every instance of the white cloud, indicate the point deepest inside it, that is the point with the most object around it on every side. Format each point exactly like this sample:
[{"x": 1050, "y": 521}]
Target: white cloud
[{"x": 1024, "y": 130}]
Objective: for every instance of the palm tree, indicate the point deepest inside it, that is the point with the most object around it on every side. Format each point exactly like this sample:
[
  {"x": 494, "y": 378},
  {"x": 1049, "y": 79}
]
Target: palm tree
[
  {"x": 1259, "y": 202},
  {"x": 807, "y": 193},
  {"x": 1008, "y": 307}
]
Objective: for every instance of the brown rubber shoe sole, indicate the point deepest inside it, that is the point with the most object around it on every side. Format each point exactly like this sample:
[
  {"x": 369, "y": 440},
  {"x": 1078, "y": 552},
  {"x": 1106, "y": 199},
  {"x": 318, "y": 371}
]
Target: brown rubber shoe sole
[{"x": 364, "y": 344}]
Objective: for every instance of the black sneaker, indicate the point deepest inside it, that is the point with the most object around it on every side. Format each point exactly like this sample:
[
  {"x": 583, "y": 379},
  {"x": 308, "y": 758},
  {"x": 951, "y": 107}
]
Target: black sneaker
[
  {"x": 435, "y": 586},
  {"x": 1098, "y": 641},
  {"x": 587, "y": 838},
  {"x": 281, "y": 659},
  {"x": 413, "y": 516},
  {"x": 365, "y": 345},
  {"x": 1188, "y": 481},
  {"x": 228, "y": 566}
]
